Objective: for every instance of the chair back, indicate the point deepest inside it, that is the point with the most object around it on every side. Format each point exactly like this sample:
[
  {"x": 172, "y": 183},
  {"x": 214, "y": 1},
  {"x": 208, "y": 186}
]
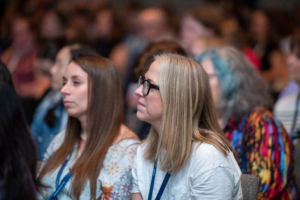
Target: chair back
[{"x": 250, "y": 184}]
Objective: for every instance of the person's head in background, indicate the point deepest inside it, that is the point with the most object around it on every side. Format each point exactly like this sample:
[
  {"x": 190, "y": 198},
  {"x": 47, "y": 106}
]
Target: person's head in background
[
  {"x": 91, "y": 93},
  {"x": 17, "y": 149},
  {"x": 23, "y": 34},
  {"x": 46, "y": 57},
  {"x": 236, "y": 85},
  {"x": 62, "y": 60},
  {"x": 5, "y": 74},
  {"x": 155, "y": 48},
  {"x": 203, "y": 21},
  {"x": 293, "y": 60},
  {"x": 201, "y": 44},
  {"x": 153, "y": 25},
  {"x": 259, "y": 26},
  {"x": 52, "y": 23}
]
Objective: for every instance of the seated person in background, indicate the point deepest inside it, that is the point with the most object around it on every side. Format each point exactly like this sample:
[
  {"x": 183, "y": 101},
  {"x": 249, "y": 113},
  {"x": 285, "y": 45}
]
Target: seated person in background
[
  {"x": 50, "y": 117},
  {"x": 17, "y": 149},
  {"x": 143, "y": 63},
  {"x": 93, "y": 158},
  {"x": 186, "y": 153},
  {"x": 241, "y": 103},
  {"x": 287, "y": 108}
]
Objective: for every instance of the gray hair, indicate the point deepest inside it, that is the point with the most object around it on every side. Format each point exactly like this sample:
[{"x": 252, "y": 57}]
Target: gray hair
[{"x": 242, "y": 86}]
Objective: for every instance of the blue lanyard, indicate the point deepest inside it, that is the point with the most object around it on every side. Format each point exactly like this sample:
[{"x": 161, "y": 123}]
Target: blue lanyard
[
  {"x": 65, "y": 180},
  {"x": 162, "y": 187}
]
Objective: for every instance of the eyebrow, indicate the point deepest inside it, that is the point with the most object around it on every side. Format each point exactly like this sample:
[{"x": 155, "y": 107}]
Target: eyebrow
[
  {"x": 73, "y": 77},
  {"x": 150, "y": 80}
]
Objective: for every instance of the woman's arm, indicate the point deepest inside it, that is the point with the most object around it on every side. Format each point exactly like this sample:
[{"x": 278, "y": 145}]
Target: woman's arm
[{"x": 137, "y": 196}]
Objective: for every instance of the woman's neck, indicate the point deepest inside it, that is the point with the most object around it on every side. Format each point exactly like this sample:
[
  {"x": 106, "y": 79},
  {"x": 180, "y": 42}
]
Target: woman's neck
[{"x": 83, "y": 136}]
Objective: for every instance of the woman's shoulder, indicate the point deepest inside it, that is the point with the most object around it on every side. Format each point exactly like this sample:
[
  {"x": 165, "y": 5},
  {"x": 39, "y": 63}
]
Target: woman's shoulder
[
  {"x": 126, "y": 136},
  {"x": 209, "y": 156},
  {"x": 55, "y": 144}
]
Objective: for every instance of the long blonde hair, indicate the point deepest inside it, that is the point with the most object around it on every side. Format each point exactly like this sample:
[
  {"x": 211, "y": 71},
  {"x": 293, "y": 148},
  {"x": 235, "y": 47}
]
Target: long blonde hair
[
  {"x": 188, "y": 114},
  {"x": 105, "y": 99}
]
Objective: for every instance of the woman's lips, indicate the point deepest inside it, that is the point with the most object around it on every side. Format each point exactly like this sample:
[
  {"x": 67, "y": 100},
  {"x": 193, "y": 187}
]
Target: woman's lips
[
  {"x": 140, "y": 104},
  {"x": 67, "y": 103}
]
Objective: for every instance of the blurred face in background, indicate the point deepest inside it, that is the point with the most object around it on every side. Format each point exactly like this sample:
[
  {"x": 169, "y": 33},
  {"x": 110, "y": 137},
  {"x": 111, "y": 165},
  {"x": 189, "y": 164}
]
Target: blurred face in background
[
  {"x": 22, "y": 36},
  {"x": 293, "y": 62},
  {"x": 57, "y": 71},
  {"x": 214, "y": 82},
  {"x": 191, "y": 29}
]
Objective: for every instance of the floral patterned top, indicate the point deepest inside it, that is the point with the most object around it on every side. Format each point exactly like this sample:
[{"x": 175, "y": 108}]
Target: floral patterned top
[
  {"x": 114, "y": 181},
  {"x": 264, "y": 148}
]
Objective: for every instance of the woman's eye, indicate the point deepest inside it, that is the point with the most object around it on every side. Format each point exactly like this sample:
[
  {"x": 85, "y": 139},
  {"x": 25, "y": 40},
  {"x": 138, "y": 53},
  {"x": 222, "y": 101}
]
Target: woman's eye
[
  {"x": 64, "y": 83},
  {"x": 76, "y": 82}
]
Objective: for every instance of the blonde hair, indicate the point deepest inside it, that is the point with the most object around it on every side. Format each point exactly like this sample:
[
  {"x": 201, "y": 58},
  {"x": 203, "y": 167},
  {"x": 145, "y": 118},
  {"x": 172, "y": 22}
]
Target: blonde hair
[{"x": 188, "y": 114}]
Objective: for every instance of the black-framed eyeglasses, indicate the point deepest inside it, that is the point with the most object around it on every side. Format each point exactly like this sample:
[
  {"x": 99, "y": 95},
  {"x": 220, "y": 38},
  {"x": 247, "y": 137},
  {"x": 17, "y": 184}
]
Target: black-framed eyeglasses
[{"x": 146, "y": 85}]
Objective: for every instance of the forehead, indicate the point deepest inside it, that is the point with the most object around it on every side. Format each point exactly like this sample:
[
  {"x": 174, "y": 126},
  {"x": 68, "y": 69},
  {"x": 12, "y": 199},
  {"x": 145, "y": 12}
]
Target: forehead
[
  {"x": 153, "y": 71},
  {"x": 74, "y": 69},
  {"x": 63, "y": 54}
]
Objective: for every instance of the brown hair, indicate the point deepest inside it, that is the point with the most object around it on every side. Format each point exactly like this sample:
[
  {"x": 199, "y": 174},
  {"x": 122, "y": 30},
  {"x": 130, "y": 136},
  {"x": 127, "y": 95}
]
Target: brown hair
[
  {"x": 155, "y": 48},
  {"x": 105, "y": 99},
  {"x": 188, "y": 114}
]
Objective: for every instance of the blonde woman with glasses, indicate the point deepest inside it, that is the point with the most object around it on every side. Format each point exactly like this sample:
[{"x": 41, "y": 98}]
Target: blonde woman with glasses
[{"x": 186, "y": 155}]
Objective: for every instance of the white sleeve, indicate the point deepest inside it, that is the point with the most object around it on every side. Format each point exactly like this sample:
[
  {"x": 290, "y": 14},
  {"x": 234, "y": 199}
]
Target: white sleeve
[
  {"x": 212, "y": 184},
  {"x": 135, "y": 184}
]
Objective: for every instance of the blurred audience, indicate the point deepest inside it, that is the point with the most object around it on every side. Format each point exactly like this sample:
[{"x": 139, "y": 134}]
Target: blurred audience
[
  {"x": 152, "y": 26},
  {"x": 265, "y": 44},
  {"x": 107, "y": 32},
  {"x": 287, "y": 108},
  {"x": 20, "y": 57},
  {"x": 241, "y": 102},
  {"x": 29, "y": 82}
]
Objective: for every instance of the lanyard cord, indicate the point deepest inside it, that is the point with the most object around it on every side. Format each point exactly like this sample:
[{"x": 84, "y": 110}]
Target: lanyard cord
[
  {"x": 162, "y": 187},
  {"x": 64, "y": 181}
]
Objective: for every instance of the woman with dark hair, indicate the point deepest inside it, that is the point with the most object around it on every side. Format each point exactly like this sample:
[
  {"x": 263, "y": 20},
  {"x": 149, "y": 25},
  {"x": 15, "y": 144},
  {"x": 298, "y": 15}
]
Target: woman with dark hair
[
  {"x": 96, "y": 150},
  {"x": 17, "y": 149},
  {"x": 5, "y": 74},
  {"x": 241, "y": 103}
]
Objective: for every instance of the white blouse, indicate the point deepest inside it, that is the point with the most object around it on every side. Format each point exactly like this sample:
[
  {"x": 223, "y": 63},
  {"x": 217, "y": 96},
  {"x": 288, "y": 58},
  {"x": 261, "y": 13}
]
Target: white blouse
[{"x": 208, "y": 174}]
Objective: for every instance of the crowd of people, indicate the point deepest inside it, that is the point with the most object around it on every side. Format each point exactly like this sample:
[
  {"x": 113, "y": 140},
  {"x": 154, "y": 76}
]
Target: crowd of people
[{"x": 146, "y": 103}]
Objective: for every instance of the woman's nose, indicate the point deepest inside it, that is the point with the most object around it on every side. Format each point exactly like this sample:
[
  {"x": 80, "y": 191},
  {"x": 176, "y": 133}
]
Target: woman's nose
[
  {"x": 64, "y": 89},
  {"x": 139, "y": 91}
]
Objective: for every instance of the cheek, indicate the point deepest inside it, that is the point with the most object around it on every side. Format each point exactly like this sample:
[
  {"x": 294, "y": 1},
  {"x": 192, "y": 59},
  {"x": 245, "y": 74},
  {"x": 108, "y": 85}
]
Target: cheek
[{"x": 155, "y": 108}]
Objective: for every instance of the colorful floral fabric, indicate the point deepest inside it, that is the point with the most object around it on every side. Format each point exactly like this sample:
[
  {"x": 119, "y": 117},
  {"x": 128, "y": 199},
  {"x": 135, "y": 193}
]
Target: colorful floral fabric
[
  {"x": 264, "y": 149},
  {"x": 114, "y": 181}
]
